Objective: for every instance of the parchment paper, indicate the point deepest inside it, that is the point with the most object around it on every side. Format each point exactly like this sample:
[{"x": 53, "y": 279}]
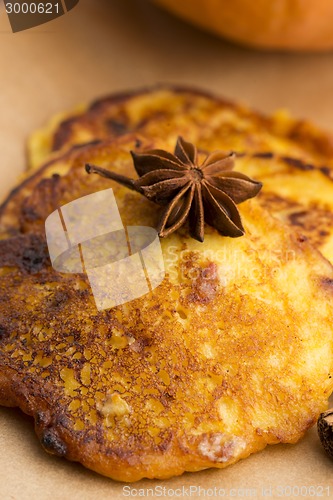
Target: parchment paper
[{"x": 103, "y": 46}]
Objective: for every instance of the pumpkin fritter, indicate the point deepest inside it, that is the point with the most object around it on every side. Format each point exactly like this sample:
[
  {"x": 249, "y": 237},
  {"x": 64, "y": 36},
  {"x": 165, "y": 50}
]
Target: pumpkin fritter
[
  {"x": 170, "y": 111},
  {"x": 233, "y": 351}
]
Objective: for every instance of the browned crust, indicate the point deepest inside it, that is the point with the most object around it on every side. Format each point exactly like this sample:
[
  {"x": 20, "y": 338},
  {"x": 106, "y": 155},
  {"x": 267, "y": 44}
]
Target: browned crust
[
  {"x": 301, "y": 131},
  {"x": 63, "y": 133},
  {"x": 32, "y": 180},
  {"x": 176, "y": 453}
]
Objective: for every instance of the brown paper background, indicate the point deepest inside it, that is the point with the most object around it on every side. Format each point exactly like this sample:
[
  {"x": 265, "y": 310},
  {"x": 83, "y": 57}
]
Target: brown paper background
[{"x": 103, "y": 46}]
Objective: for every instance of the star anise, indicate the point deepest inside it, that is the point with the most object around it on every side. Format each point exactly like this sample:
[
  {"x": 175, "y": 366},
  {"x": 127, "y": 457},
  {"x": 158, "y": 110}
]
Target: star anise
[{"x": 206, "y": 193}]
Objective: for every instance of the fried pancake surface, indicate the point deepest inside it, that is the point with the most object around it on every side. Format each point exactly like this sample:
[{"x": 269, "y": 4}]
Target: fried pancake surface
[
  {"x": 298, "y": 181},
  {"x": 169, "y": 111},
  {"x": 233, "y": 351}
]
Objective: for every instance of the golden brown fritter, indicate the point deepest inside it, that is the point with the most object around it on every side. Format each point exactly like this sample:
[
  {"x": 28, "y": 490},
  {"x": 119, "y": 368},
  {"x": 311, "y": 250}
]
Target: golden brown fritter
[
  {"x": 233, "y": 351},
  {"x": 169, "y": 111}
]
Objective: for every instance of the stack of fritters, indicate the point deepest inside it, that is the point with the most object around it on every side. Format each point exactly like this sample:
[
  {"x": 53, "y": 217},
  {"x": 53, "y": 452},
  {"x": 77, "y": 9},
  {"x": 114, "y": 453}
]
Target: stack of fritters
[{"x": 233, "y": 351}]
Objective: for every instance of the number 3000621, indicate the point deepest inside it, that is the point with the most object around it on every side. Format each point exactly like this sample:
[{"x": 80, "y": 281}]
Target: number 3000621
[{"x": 32, "y": 8}]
